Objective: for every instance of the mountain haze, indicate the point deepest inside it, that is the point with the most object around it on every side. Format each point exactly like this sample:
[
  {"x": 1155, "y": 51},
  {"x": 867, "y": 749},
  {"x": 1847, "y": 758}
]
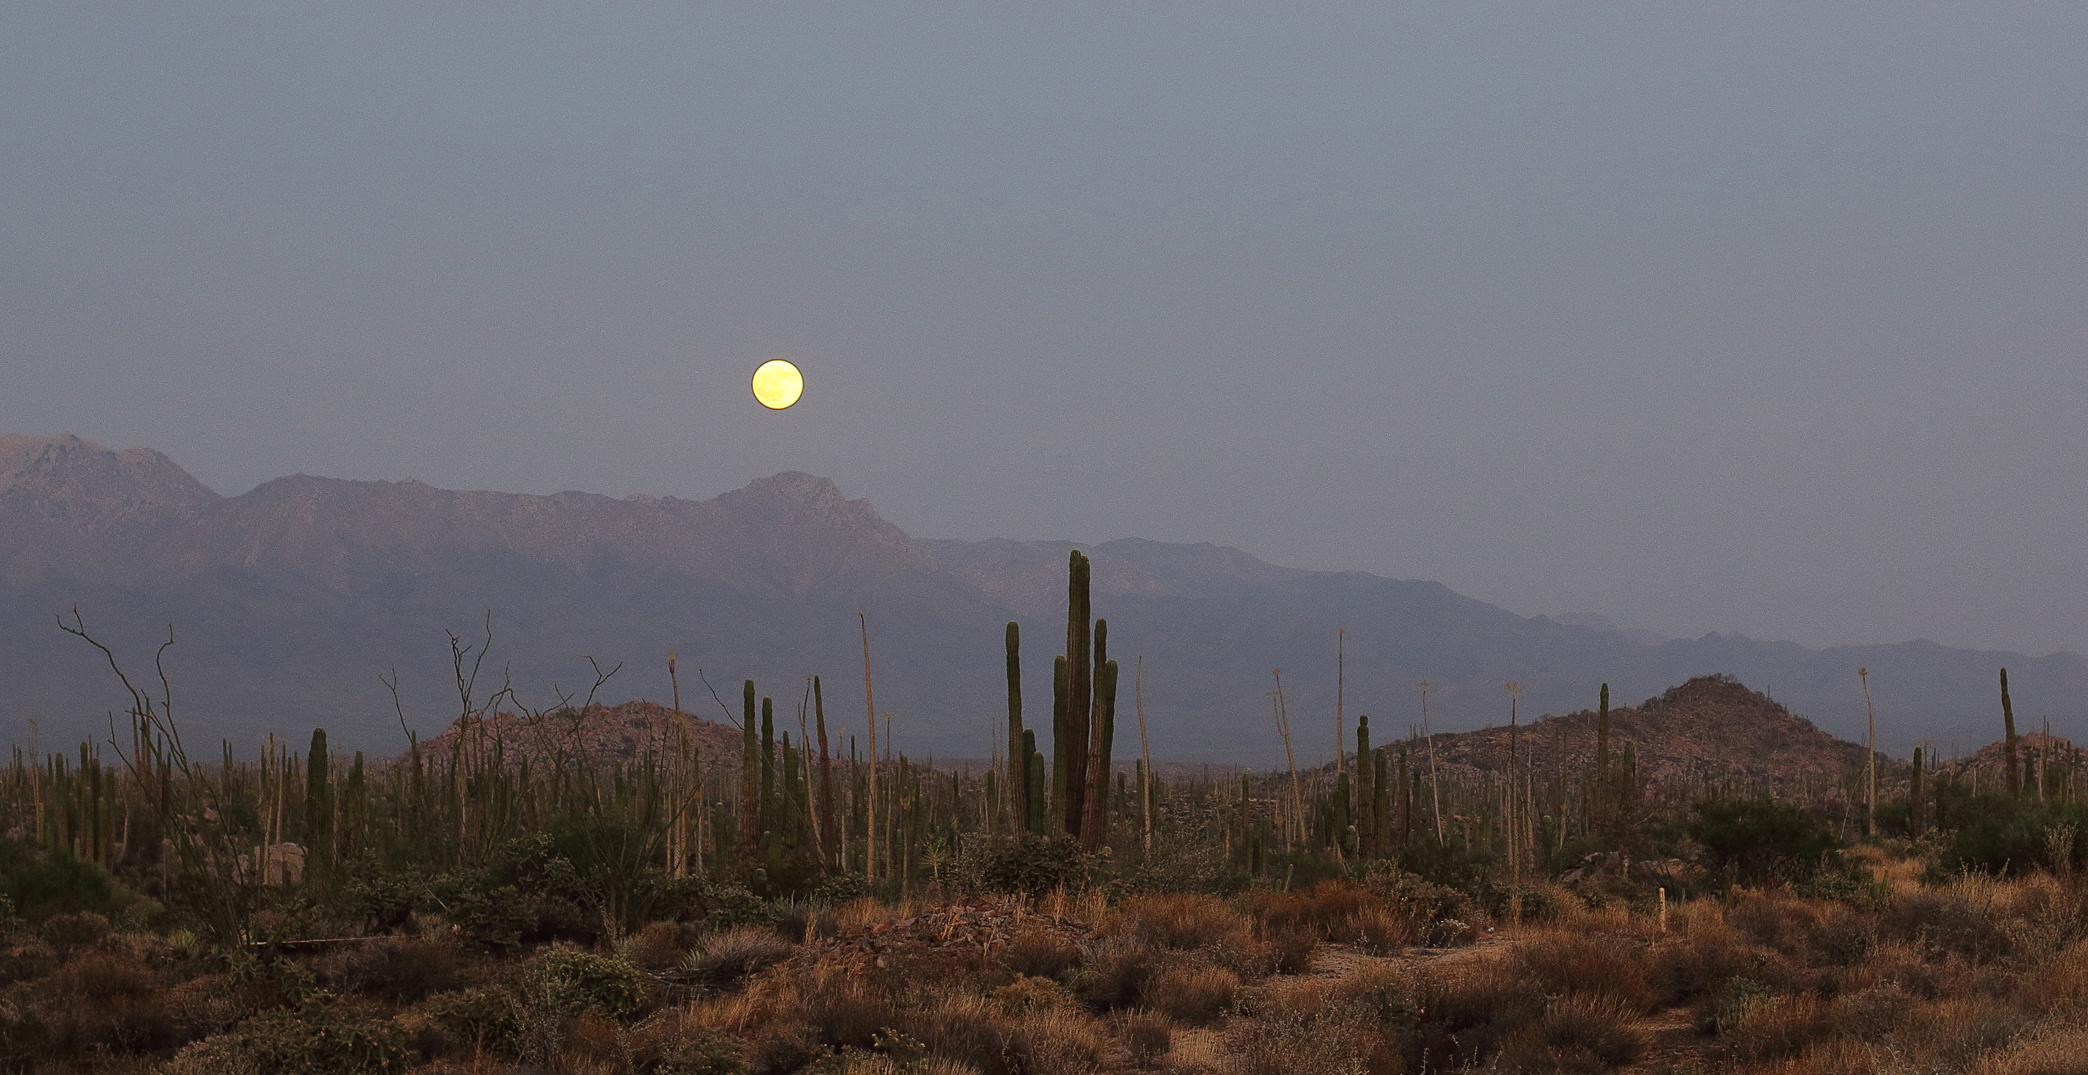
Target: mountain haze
[{"x": 288, "y": 601}]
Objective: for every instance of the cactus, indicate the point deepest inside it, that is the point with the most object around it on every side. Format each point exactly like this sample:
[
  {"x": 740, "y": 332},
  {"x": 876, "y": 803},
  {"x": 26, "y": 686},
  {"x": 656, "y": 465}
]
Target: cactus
[
  {"x": 1080, "y": 701},
  {"x": 319, "y": 835},
  {"x": 1033, "y": 781},
  {"x": 1380, "y": 807},
  {"x": 1061, "y": 741},
  {"x": 830, "y": 849},
  {"x": 1914, "y": 825},
  {"x": 1095, "y": 811},
  {"x": 750, "y": 782},
  {"x": 1366, "y": 826},
  {"x": 768, "y": 819},
  {"x": 1017, "y": 783},
  {"x": 2015, "y": 773}
]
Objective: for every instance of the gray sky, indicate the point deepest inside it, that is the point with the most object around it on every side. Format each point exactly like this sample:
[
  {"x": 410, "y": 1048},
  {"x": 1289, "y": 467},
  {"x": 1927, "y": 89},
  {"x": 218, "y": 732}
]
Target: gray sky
[{"x": 1762, "y": 318}]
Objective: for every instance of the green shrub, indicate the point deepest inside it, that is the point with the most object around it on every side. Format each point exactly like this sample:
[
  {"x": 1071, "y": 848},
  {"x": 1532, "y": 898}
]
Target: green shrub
[
  {"x": 1759, "y": 839},
  {"x": 575, "y": 982},
  {"x": 308, "y": 1042},
  {"x": 1997, "y": 833},
  {"x": 483, "y": 1018},
  {"x": 55, "y": 881},
  {"x": 1032, "y": 866}
]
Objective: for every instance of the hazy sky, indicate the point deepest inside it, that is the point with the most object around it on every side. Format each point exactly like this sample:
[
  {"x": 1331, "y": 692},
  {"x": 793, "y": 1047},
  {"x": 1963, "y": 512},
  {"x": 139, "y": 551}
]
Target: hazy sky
[{"x": 1757, "y": 318}]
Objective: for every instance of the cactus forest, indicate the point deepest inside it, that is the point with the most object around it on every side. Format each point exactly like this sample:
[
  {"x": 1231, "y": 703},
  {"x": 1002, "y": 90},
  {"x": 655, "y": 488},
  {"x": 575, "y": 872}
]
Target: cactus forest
[{"x": 515, "y": 895}]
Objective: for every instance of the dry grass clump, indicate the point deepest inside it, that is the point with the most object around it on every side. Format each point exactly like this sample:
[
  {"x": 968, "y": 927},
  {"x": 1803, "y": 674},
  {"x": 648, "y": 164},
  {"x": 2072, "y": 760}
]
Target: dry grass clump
[
  {"x": 1340, "y": 912},
  {"x": 1954, "y": 921},
  {"x": 1576, "y": 1034},
  {"x": 1040, "y": 953},
  {"x": 1193, "y": 992},
  {"x": 739, "y": 952},
  {"x": 1331, "y": 1040},
  {"x": 2057, "y": 1049},
  {"x": 1770, "y": 1026},
  {"x": 1188, "y": 922},
  {"x": 1027, "y": 992},
  {"x": 1572, "y": 963},
  {"x": 1146, "y": 1036},
  {"x": 1464, "y": 1011}
]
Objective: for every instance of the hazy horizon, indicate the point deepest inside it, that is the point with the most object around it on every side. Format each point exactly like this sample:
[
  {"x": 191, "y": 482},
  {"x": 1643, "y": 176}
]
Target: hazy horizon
[{"x": 1760, "y": 321}]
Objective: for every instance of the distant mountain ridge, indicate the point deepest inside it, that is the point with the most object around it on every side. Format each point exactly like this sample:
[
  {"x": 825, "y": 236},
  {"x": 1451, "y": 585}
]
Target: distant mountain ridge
[{"x": 287, "y": 602}]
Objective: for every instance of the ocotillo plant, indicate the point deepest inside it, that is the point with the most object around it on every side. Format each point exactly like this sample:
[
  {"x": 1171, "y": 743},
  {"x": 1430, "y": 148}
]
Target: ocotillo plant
[
  {"x": 2015, "y": 774},
  {"x": 1870, "y": 759},
  {"x": 1017, "y": 783}
]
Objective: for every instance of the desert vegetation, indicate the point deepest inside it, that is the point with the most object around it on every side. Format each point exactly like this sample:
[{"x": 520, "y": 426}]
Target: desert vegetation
[{"x": 528, "y": 893}]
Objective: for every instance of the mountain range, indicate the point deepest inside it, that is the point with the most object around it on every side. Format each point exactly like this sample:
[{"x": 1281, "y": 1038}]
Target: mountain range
[{"x": 287, "y": 603}]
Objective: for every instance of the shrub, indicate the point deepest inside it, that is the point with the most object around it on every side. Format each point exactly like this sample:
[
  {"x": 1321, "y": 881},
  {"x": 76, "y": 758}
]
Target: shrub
[
  {"x": 1757, "y": 839},
  {"x": 1033, "y": 866},
  {"x": 575, "y": 982},
  {"x": 41, "y": 884},
  {"x": 310, "y": 1042},
  {"x": 399, "y": 969},
  {"x": 487, "y": 1019},
  {"x": 1338, "y": 911},
  {"x": 76, "y": 929},
  {"x": 1947, "y": 921}
]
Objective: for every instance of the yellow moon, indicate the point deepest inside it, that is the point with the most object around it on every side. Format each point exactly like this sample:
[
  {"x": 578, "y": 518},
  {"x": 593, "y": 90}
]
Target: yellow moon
[{"x": 778, "y": 384}]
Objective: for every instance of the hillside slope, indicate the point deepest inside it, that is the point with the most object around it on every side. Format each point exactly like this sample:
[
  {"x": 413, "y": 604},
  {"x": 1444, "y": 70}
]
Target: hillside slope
[{"x": 288, "y": 601}]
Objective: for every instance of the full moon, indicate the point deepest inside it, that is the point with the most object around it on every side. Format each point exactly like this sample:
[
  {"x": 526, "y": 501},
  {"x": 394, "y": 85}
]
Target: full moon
[{"x": 778, "y": 384}]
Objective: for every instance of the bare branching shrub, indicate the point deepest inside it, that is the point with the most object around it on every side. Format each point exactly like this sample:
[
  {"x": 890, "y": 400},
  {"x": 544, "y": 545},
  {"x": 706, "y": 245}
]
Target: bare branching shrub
[{"x": 400, "y": 969}]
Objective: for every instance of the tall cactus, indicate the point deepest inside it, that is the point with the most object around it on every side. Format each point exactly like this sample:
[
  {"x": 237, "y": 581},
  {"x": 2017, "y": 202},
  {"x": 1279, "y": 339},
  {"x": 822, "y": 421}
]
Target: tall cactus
[
  {"x": 2015, "y": 773},
  {"x": 1094, "y": 825},
  {"x": 1080, "y": 702},
  {"x": 1017, "y": 781},
  {"x": 768, "y": 815},
  {"x": 1061, "y": 740},
  {"x": 319, "y": 815},
  {"x": 750, "y": 782},
  {"x": 1033, "y": 781},
  {"x": 1366, "y": 784},
  {"x": 830, "y": 850},
  {"x": 1914, "y": 825}
]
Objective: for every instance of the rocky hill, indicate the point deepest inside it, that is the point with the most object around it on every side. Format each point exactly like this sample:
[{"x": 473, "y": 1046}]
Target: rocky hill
[
  {"x": 1709, "y": 727},
  {"x": 288, "y": 601}
]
